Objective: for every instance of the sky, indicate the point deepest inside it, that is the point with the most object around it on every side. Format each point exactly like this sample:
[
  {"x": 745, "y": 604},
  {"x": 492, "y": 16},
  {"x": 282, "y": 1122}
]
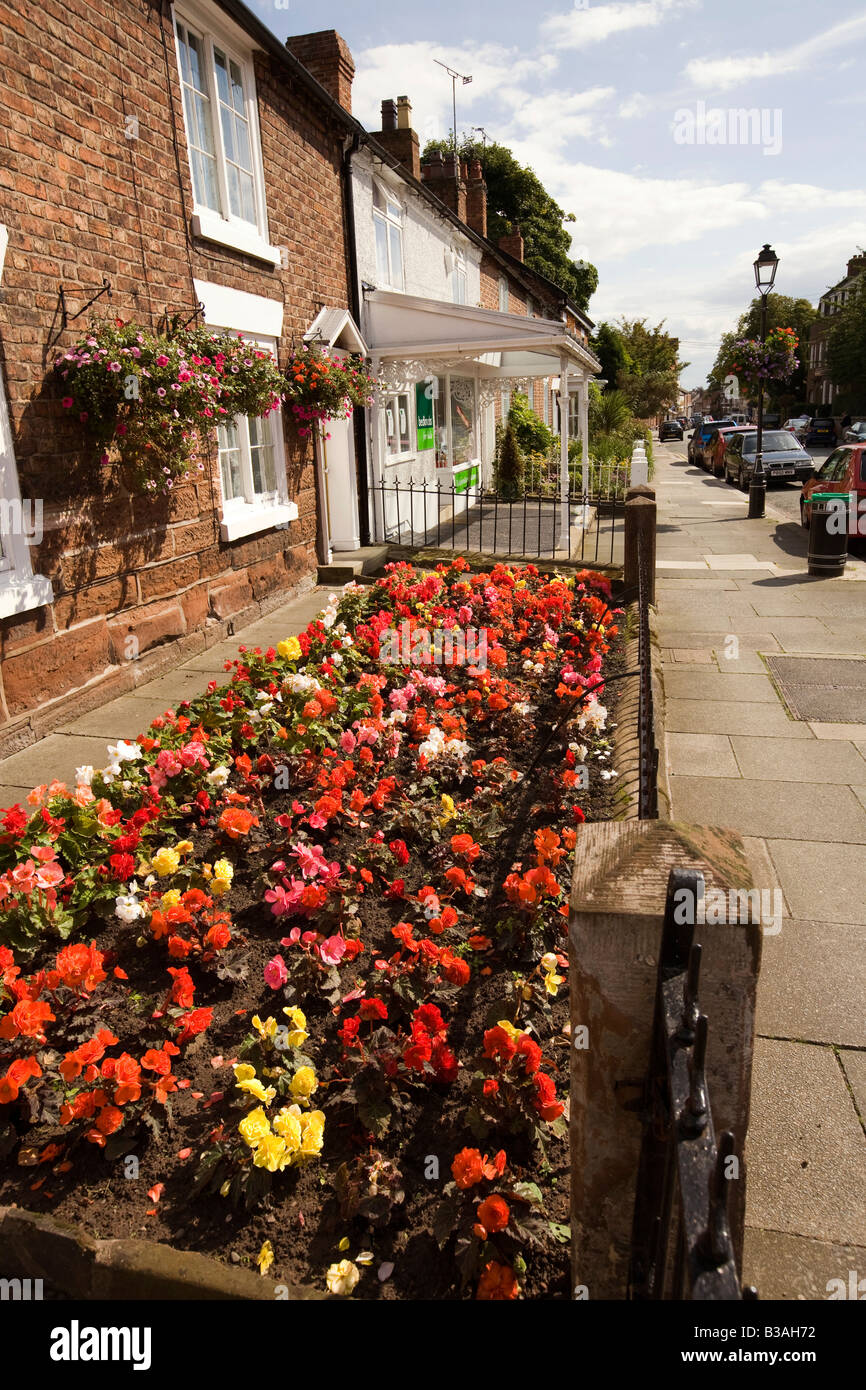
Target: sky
[{"x": 624, "y": 112}]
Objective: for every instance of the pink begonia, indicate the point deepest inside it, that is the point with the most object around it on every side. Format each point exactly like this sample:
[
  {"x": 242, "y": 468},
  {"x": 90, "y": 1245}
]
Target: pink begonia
[
  {"x": 332, "y": 950},
  {"x": 276, "y": 973},
  {"x": 348, "y": 741}
]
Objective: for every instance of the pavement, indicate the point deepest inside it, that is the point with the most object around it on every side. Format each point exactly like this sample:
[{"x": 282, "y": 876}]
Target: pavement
[
  {"x": 731, "y": 591},
  {"x": 83, "y": 739}
]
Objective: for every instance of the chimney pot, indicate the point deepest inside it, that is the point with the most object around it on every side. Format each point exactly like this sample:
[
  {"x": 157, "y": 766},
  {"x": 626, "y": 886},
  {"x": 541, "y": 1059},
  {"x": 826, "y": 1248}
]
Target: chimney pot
[
  {"x": 404, "y": 113},
  {"x": 389, "y": 114}
]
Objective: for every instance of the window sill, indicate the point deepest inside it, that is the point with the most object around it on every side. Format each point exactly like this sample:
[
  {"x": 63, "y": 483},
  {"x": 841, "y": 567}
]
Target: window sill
[
  {"x": 23, "y": 595},
  {"x": 211, "y": 227},
  {"x": 248, "y": 521}
]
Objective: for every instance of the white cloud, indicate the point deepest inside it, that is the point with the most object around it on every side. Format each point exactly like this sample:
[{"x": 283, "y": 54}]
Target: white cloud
[
  {"x": 720, "y": 74},
  {"x": 587, "y": 24}
]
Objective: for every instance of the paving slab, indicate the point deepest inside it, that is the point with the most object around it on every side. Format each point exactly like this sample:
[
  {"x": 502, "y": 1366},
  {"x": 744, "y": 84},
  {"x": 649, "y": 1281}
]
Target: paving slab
[
  {"x": 805, "y": 1149},
  {"x": 673, "y": 635},
  {"x": 855, "y": 732},
  {"x": 12, "y": 796},
  {"x": 826, "y": 814},
  {"x": 709, "y": 754},
  {"x": 731, "y": 717},
  {"x": 182, "y": 684},
  {"x": 812, "y": 984},
  {"x": 690, "y": 656},
  {"x": 709, "y": 685},
  {"x": 748, "y": 662},
  {"x": 122, "y": 718},
  {"x": 784, "y": 1266},
  {"x": 56, "y": 756},
  {"x": 829, "y": 887},
  {"x": 860, "y": 792},
  {"x": 796, "y": 760}
]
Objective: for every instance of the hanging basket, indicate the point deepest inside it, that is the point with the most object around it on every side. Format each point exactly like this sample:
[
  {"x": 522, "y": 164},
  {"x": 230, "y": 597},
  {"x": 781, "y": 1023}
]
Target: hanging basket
[{"x": 770, "y": 362}]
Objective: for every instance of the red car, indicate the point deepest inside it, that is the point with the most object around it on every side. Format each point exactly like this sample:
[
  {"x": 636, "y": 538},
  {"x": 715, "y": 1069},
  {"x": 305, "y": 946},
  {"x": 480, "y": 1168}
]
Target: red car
[
  {"x": 713, "y": 456},
  {"x": 843, "y": 471}
]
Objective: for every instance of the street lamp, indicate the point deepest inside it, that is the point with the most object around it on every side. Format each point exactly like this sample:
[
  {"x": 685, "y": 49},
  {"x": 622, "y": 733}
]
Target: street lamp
[{"x": 765, "y": 275}]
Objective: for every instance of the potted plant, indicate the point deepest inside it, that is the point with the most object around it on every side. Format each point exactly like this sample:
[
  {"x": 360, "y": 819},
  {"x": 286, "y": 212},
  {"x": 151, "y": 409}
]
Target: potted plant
[{"x": 321, "y": 387}]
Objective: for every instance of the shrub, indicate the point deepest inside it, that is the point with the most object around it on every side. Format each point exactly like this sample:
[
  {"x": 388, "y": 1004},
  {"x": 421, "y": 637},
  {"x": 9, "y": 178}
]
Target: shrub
[{"x": 509, "y": 472}]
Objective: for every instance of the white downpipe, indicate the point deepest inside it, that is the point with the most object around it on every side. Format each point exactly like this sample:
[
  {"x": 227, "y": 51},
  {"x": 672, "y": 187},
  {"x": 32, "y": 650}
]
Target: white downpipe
[
  {"x": 584, "y": 431},
  {"x": 565, "y": 521},
  {"x": 376, "y": 500}
]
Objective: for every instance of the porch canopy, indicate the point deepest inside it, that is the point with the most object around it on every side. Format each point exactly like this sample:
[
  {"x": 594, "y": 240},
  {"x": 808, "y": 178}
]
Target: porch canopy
[{"x": 411, "y": 338}]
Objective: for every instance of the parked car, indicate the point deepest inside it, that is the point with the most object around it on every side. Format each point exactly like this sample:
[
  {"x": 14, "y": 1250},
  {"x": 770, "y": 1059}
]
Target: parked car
[
  {"x": 798, "y": 425},
  {"x": 843, "y": 471},
  {"x": 713, "y": 454},
  {"x": 694, "y": 421},
  {"x": 820, "y": 431},
  {"x": 856, "y": 433},
  {"x": 683, "y": 421},
  {"x": 670, "y": 429},
  {"x": 783, "y": 457},
  {"x": 772, "y": 420},
  {"x": 700, "y": 437}
]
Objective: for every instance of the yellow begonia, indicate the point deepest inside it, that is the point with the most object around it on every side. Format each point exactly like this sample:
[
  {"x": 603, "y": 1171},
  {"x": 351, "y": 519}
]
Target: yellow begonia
[
  {"x": 271, "y": 1153},
  {"x": 290, "y": 649},
  {"x": 255, "y": 1088},
  {"x": 243, "y": 1071},
  {"x": 509, "y": 1028},
  {"x": 341, "y": 1278},
  {"x": 549, "y": 961},
  {"x": 165, "y": 862},
  {"x": 254, "y": 1126},
  {"x": 448, "y": 810},
  {"x": 265, "y": 1257},
  {"x": 184, "y": 846},
  {"x": 287, "y": 1124},
  {"x": 304, "y": 1083},
  {"x": 171, "y": 898},
  {"x": 312, "y": 1136},
  {"x": 297, "y": 1034},
  {"x": 223, "y": 869},
  {"x": 266, "y": 1030},
  {"x": 552, "y": 982}
]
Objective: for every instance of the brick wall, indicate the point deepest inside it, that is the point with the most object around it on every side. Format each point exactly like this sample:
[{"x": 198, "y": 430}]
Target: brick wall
[{"x": 80, "y": 201}]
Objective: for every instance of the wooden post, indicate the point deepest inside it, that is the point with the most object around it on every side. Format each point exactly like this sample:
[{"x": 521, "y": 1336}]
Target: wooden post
[
  {"x": 615, "y": 926},
  {"x": 640, "y": 533}
]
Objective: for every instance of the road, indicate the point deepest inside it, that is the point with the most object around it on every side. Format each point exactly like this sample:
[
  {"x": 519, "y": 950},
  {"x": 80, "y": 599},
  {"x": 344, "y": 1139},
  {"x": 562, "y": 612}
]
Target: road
[{"x": 782, "y": 497}]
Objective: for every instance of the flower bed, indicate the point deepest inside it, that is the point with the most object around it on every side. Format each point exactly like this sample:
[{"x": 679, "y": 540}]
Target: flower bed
[{"x": 287, "y": 980}]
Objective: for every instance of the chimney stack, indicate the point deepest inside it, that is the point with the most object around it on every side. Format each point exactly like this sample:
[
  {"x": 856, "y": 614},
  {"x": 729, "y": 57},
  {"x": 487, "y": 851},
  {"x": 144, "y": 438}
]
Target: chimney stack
[
  {"x": 513, "y": 243},
  {"x": 476, "y": 198},
  {"x": 856, "y": 264},
  {"x": 327, "y": 57},
  {"x": 397, "y": 135},
  {"x": 443, "y": 178}
]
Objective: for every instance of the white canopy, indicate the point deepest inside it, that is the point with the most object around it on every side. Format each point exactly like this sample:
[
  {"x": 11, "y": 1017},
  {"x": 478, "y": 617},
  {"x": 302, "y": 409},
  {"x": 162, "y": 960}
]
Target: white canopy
[{"x": 412, "y": 336}]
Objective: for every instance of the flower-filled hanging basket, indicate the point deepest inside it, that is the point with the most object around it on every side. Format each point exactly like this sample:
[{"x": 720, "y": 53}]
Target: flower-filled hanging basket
[
  {"x": 156, "y": 398},
  {"x": 322, "y": 387},
  {"x": 773, "y": 361}
]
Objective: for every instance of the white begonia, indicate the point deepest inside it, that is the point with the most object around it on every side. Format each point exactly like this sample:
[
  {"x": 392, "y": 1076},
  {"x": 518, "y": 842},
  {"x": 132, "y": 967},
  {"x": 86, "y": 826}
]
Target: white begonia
[
  {"x": 109, "y": 773},
  {"x": 218, "y": 776},
  {"x": 84, "y": 775},
  {"x": 124, "y": 752},
  {"x": 128, "y": 908},
  {"x": 336, "y": 659},
  {"x": 266, "y": 709}
]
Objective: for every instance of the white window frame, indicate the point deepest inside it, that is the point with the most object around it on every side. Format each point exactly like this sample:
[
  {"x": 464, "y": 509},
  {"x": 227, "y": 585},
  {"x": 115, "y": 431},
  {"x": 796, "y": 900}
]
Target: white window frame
[
  {"x": 390, "y": 401},
  {"x": 503, "y": 294},
  {"x": 257, "y": 511},
  {"x": 458, "y": 275},
  {"x": 446, "y": 377},
  {"x": 392, "y": 282},
  {"x": 223, "y": 226},
  {"x": 20, "y": 589}
]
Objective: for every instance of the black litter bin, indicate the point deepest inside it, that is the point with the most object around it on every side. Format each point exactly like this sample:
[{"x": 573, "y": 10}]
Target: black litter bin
[{"x": 828, "y": 534}]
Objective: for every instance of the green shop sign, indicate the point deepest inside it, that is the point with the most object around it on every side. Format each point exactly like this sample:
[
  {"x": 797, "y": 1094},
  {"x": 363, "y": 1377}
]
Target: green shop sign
[
  {"x": 426, "y": 434},
  {"x": 466, "y": 478}
]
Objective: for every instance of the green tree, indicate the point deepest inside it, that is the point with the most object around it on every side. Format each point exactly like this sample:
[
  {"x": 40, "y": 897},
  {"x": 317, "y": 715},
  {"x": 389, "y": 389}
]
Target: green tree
[
  {"x": 509, "y": 472},
  {"x": 531, "y": 433},
  {"x": 609, "y": 412},
  {"x": 516, "y": 195},
  {"x": 609, "y": 348},
  {"x": 846, "y": 348},
  {"x": 650, "y": 378}
]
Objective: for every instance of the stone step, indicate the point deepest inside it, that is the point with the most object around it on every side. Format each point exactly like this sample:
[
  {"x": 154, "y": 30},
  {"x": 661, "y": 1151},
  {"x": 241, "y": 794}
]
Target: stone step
[{"x": 347, "y": 565}]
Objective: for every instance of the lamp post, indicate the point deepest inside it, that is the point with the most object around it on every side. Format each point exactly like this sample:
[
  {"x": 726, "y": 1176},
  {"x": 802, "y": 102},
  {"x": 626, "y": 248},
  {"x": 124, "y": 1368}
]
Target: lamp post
[{"x": 765, "y": 275}]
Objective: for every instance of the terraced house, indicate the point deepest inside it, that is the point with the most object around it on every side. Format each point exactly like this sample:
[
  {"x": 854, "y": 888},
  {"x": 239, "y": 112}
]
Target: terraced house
[{"x": 171, "y": 163}]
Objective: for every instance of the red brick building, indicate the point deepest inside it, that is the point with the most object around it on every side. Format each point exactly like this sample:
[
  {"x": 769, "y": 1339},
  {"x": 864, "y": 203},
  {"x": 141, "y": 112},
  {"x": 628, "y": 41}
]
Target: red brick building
[{"x": 182, "y": 155}]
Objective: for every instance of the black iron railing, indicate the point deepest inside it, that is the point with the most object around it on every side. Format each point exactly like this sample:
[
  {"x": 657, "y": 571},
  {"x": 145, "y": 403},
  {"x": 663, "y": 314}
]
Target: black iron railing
[
  {"x": 648, "y": 752},
  {"x": 477, "y": 519},
  {"x": 681, "y": 1239}
]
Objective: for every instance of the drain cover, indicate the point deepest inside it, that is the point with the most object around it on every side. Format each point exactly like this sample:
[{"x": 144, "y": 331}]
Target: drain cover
[{"x": 821, "y": 689}]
